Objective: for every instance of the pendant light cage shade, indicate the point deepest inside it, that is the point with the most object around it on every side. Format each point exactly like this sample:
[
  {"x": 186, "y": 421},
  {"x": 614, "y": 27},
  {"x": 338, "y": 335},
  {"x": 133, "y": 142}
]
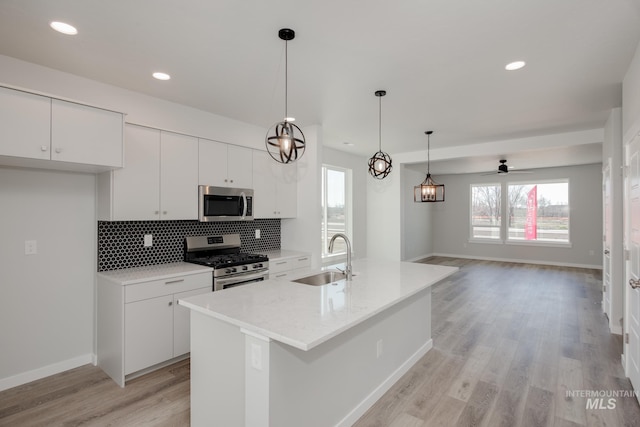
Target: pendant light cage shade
[
  {"x": 428, "y": 190},
  {"x": 380, "y": 165},
  {"x": 285, "y": 141},
  {"x": 380, "y": 162}
]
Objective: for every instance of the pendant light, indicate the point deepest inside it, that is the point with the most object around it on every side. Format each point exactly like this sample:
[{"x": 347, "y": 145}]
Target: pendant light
[
  {"x": 380, "y": 163},
  {"x": 285, "y": 141},
  {"x": 428, "y": 190}
]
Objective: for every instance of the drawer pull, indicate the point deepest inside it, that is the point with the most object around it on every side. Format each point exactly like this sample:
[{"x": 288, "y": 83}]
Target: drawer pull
[
  {"x": 281, "y": 275},
  {"x": 173, "y": 281},
  {"x": 303, "y": 259},
  {"x": 281, "y": 262}
]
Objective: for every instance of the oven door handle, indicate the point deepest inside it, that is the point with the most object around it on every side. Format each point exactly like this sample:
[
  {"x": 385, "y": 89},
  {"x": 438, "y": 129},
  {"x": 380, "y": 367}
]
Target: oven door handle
[
  {"x": 244, "y": 204},
  {"x": 264, "y": 274}
]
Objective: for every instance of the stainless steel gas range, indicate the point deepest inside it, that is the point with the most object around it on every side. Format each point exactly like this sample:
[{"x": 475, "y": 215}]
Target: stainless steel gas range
[{"x": 230, "y": 266}]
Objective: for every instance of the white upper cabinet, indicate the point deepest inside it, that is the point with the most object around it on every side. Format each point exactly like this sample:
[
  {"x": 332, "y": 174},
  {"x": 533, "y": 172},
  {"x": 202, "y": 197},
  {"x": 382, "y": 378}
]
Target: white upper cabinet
[
  {"x": 25, "y": 124},
  {"x": 224, "y": 165},
  {"x": 178, "y": 176},
  {"x": 82, "y": 134},
  {"x": 275, "y": 187},
  {"x": 159, "y": 180},
  {"x": 65, "y": 135}
]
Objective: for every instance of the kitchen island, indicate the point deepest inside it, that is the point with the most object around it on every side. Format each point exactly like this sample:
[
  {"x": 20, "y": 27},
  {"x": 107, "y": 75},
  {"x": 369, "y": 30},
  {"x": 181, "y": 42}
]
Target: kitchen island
[{"x": 280, "y": 353}]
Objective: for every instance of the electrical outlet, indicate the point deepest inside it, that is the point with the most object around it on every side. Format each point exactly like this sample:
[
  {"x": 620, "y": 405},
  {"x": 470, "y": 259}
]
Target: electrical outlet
[
  {"x": 257, "y": 233},
  {"x": 379, "y": 349},
  {"x": 148, "y": 240},
  {"x": 30, "y": 247}
]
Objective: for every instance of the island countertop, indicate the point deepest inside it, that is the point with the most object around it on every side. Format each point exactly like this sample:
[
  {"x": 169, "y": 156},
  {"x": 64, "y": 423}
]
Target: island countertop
[{"x": 305, "y": 316}]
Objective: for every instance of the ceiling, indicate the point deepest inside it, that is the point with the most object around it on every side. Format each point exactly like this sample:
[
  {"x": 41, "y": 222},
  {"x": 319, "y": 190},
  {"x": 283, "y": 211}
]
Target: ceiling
[{"x": 440, "y": 61}]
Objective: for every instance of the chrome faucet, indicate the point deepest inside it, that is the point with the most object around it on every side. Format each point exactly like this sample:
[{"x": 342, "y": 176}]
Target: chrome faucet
[{"x": 347, "y": 270}]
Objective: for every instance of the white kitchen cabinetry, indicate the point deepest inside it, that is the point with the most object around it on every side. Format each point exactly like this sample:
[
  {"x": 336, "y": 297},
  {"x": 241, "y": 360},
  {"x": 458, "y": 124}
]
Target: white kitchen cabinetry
[
  {"x": 38, "y": 131},
  {"x": 159, "y": 180},
  {"x": 287, "y": 263},
  {"x": 275, "y": 187},
  {"x": 140, "y": 324},
  {"x": 224, "y": 165}
]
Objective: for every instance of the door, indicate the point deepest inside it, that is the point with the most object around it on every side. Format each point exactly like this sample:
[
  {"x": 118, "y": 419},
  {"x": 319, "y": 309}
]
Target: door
[
  {"x": 181, "y": 321},
  {"x": 608, "y": 230},
  {"x": 25, "y": 124},
  {"x": 633, "y": 266},
  {"x": 212, "y": 160}
]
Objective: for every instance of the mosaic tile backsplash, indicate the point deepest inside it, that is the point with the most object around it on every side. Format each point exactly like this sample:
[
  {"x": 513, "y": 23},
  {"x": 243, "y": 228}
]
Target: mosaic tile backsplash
[{"x": 120, "y": 243}]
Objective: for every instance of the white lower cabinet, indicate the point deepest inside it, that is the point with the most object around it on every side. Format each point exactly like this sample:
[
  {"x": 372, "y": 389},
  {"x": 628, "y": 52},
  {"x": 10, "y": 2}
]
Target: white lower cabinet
[
  {"x": 286, "y": 264},
  {"x": 141, "y": 325}
]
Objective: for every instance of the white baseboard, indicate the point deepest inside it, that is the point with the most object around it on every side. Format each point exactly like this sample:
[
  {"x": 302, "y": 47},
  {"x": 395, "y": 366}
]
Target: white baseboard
[
  {"x": 418, "y": 258},
  {"x": 45, "y": 371},
  {"x": 523, "y": 261},
  {"x": 377, "y": 393},
  {"x": 617, "y": 330}
]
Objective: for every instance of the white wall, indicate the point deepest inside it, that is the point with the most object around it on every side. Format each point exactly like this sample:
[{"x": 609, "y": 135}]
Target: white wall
[
  {"x": 631, "y": 97},
  {"x": 360, "y": 174},
  {"x": 48, "y": 324},
  {"x": 304, "y": 232},
  {"x": 384, "y": 217},
  {"x": 612, "y": 149},
  {"x": 451, "y": 219},
  {"x": 47, "y": 314},
  {"x": 416, "y": 219}
]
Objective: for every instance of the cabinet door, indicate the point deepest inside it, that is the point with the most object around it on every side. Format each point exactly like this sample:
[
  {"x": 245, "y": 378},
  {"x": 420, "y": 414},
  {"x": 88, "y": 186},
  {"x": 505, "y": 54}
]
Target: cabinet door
[
  {"x": 239, "y": 167},
  {"x": 287, "y": 190},
  {"x": 181, "y": 322},
  {"x": 264, "y": 188},
  {"x": 148, "y": 333},
  {"x": 87, "y": 135},
  {"x": 212, "y": 163},
  {"x": 25, "y": 124},
  {"x": 136, "y": 187},
  {"x": 178, "y": 176}
]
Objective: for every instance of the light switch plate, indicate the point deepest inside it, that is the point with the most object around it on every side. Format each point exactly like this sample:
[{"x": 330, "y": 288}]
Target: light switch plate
[
  {"x": 148, "y": 240},
  {"x": 257, "y": 233},
  {"x": 30, "y": 247}
]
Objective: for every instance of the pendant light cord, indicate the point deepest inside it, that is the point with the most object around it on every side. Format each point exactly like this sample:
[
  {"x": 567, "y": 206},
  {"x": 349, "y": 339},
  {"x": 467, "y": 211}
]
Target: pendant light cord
[
  {"x": 428, "y": 152},
  {"x": 380, "y": 124},
  {"x": 286, "y": 77}
]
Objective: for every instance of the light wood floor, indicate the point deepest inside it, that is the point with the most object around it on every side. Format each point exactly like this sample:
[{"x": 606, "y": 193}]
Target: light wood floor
[{"x": 509, "y": 341}]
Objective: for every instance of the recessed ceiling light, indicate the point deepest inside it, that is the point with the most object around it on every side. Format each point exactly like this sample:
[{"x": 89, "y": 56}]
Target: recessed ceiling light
[
  {"x": 161, "y": 76},
  {"x": 64, "y": 28},
  {"x": 516, "y": 65}
]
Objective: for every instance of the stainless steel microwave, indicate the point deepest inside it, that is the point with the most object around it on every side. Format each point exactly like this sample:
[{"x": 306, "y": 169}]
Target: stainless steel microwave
[{"x": 224, "y": 204}]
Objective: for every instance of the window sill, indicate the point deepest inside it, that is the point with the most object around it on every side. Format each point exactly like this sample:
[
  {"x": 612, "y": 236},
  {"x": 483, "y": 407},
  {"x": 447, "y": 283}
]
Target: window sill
[
  {"x": 543, "y": 243},
  {"x": 487, "y": 241}
]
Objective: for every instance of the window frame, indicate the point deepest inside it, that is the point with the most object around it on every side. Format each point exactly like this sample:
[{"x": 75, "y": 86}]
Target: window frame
[
  {"x": 504, "y": 210},
  {"x": 490, "y": 240},
  {"x": 348, "y": 211}
]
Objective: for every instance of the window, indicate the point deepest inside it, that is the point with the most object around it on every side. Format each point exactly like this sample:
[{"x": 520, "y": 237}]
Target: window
[
  {"x": 336, "y": 211},
  {"x": 532, "y": 212},
  {"x": 539, "y": 212},
  {"x": 486, "y": 211}
]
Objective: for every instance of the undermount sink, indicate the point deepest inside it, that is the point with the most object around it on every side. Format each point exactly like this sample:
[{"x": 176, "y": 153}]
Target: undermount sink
[{"x": 322, "y": 278}]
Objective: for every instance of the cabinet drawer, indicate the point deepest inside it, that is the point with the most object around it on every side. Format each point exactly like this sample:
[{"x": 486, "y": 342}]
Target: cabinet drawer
[
  {"x": 276, "y": 266},
  {"x": 301, "y": 262},
  {"x": 168, "y": 286}
]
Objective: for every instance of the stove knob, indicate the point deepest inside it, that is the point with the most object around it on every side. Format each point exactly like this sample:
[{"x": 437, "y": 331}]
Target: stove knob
[
  {"x": 233, "y": 270},
  {"x": 228, "y": 270},
  {"x": 257, "y": 266},
  {"x": 245, "y": 268}
]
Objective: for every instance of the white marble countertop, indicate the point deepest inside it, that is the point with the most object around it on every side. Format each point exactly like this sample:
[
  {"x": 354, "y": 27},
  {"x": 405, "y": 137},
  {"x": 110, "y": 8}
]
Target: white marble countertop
[
  {"x": 284, "y": 253},
  {"x": 305, "y": 316},
  {"x": 129, "y": 276}
]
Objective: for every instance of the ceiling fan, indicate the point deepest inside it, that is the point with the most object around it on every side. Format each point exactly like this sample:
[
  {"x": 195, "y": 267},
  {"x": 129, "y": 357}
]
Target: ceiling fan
[{"x": 503, "y": 168}]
